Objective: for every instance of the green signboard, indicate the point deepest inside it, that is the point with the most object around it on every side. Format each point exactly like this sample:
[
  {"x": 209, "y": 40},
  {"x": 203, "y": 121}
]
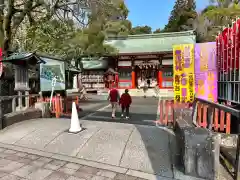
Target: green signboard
[
  {"x": 52, "y": 68},
  {"x": 95, "y": 64}
]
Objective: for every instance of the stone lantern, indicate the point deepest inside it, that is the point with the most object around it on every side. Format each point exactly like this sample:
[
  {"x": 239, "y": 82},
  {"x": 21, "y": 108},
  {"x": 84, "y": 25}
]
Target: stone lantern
[{"x": 22, "y": 63}]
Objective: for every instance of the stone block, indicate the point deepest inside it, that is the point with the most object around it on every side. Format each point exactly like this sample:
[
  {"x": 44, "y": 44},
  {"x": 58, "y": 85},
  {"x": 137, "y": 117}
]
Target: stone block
[
  {"x": 199, "y": 150},
  {"x": 19, "y": 116},
  {"x": 39, "y": 174}
]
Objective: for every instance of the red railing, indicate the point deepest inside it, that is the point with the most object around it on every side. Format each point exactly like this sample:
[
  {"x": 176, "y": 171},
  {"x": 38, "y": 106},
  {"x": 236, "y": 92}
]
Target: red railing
[
  {"x": 166, "y": 111},
  {"x": 221, "y": 120},
  {"x": 61, "y": 106}
]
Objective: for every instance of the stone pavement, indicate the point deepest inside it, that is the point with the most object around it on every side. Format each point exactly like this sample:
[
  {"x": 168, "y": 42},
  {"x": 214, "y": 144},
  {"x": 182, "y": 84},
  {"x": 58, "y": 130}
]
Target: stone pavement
[
  {"x": 102, "y": 149},
  {"x": 142, "y": 151},
  {"x": 15, "y": 165},
  {"x": 142, "y": 111}
]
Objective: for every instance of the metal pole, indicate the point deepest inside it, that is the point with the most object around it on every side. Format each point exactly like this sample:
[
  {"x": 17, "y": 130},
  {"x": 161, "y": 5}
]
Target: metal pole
[{"x": 54, "y": 80}]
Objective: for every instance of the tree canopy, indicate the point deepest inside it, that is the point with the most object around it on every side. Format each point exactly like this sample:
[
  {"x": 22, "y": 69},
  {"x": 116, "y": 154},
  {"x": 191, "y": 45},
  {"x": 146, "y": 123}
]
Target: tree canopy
[
  {"x": 80, "y": 27},
  {"x": 141, "y": 30},
  {"x": 157, "y": 31},
  {"x": 182, "y": 16},
  {"x": 208, "y": 22},
  {"x": 41, "y": 22}
]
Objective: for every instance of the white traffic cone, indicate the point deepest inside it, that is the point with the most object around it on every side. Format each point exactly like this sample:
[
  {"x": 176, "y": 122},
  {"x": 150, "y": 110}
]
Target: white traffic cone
[{"x": 75, "y": 126}]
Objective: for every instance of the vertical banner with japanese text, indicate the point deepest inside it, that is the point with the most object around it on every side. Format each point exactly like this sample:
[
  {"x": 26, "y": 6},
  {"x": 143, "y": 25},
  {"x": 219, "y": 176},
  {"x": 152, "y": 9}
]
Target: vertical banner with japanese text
[
  {"x": 183, "y": 71},
  {"x": 206, "y": 71}
]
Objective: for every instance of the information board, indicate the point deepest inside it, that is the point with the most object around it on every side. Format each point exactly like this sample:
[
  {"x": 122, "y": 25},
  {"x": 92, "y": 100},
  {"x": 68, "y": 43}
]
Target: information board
[
  {"x": 183, "y": 73},
  {"x": 49, "y": 70},
  {"x": 206, "y": 71}
]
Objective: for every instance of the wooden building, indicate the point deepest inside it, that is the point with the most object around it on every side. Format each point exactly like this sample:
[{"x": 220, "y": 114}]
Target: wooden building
[{"x": 147, "y": 56}]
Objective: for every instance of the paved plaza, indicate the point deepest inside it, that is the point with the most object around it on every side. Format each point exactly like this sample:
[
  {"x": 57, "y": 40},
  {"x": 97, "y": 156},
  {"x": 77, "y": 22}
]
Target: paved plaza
[
  {"x": 16, "y": 165},
  {"x": 107, "y": 148},
  {"x": 122, "y": 148}
]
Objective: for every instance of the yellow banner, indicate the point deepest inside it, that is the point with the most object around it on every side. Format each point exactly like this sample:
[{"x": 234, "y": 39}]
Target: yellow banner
[{"x": 183, "y": 72}]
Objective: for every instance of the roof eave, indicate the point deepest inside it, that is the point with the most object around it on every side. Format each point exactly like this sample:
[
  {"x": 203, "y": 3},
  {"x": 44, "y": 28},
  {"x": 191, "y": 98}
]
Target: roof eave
[{"x": 156, "y": 35}]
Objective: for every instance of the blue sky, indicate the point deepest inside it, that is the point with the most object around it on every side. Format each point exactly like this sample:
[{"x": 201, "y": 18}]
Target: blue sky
[{"x": 154, "y": 13}]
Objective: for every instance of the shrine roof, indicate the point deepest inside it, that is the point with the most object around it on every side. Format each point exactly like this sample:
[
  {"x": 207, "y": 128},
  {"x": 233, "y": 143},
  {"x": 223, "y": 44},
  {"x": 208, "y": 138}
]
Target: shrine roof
[
  {"x": 26, "y": 56},
  {"x": 151, "y": 43}
]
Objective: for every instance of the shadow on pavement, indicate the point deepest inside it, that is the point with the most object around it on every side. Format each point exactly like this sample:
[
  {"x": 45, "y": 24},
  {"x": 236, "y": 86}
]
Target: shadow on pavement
[{"x": 158, "y": 143}]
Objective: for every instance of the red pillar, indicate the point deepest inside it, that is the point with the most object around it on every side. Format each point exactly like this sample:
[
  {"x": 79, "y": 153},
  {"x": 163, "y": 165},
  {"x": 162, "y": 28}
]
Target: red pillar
[
  {"x": 160, "y": 79},
  {"x": 133, "y": 80}
]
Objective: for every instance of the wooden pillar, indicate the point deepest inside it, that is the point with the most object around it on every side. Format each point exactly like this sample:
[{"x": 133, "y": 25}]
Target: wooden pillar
[
  {"x": 160, "y": 72},
  {"x": 133, "y": 79},
  {"x": 133, "y": 74},
  {"x": 159, "y": 78}
]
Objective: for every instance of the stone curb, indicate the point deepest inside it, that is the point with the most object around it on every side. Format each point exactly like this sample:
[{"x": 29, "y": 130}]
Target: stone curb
[{"x": 94, "y": 164}]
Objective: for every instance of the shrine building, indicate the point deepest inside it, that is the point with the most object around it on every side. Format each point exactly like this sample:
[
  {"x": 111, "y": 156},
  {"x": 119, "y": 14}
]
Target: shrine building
[{"x": 147, "y": 56}]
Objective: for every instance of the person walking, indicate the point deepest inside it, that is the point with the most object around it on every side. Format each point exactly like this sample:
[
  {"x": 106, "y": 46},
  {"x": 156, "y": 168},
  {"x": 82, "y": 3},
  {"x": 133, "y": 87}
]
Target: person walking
[
  {"x": 145, "y": 88},
  {"x": 125, "y": 102},
  {"x": 148, "y": 83},
  {"x": 156, "y": 89},
  {"x": 113, "y": 97}
]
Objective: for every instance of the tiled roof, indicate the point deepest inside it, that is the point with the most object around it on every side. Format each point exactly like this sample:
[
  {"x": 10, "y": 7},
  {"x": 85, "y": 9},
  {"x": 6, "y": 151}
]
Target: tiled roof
[{"x": 151, "y": 42}]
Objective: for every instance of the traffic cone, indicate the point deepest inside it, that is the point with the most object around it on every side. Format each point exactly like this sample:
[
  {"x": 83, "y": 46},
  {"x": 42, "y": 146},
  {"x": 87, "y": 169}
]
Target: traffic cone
[{"x": 75, "y": 125}]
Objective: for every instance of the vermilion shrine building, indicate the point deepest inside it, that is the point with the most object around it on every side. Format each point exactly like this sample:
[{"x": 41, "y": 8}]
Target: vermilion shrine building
[{"x": 147, "y": 56}]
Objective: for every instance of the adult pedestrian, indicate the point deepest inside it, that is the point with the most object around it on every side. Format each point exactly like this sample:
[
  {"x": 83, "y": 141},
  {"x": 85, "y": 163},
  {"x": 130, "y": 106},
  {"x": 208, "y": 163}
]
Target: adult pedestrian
[
  {"x": 145, "y": 88},
  {"x": 156, "y": 89},
  {"x": 148, "y": 83},
  {"x": 125, "y": 102},
  {"x": 113, "y": 97}
]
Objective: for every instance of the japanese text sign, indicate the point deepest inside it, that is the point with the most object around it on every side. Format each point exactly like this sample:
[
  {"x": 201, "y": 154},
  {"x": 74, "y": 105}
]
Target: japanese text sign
[
  {"x": 206, "y": 71},
  {"x": 183, "y": 70}
]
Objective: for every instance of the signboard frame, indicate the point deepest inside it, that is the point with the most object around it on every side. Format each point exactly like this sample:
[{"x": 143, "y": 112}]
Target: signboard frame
[{"x": 52, "y": 68}]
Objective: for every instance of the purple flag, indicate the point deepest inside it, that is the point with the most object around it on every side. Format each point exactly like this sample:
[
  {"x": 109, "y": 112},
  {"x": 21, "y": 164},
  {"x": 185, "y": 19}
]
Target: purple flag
[{"x": 206, "y": 71}]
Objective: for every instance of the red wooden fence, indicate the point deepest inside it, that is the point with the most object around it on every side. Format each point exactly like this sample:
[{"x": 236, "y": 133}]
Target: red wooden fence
[{"x": 221, "y": 121}]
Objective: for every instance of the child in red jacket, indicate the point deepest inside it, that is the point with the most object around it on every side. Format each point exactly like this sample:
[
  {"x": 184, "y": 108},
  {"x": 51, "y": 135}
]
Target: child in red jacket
[{"x": 125, "y": 102}]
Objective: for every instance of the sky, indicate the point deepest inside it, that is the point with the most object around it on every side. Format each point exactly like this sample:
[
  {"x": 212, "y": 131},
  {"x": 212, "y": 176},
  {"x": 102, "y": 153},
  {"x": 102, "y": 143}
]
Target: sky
[{"x": 154, "y": 13}]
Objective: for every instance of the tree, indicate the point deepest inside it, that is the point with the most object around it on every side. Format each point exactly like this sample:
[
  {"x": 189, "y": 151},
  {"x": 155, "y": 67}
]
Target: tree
[
  {"x": 51, "y": 38},
  {"x": 157, "y": 31},
  {"x": 182, "y": 16},
  {"x": 218, "y": 14},
  {"x": 17, "y": 14},
  {"x": 141, "y": 30},
  {"x": 118, "y": 25},
  {"x": 222, "y": 13},
  {"x": 62, "y": 38}
]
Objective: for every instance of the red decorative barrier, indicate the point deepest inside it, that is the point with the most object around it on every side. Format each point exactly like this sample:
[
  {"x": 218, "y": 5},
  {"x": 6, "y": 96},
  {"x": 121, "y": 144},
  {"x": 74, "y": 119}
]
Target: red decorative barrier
[
  {"x": 62, "y": 106},
  {"x": 166, "y": 111},
  {"x": 221, "y": 120}
]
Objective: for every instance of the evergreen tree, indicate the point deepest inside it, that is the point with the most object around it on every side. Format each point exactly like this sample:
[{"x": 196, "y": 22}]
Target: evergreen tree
[{"x": 180, "y": 19}]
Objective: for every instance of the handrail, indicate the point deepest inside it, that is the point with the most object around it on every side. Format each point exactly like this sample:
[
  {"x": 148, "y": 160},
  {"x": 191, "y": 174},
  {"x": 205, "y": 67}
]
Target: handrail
[
  {"x": 220, "y": 106},
  {"x": 210, "y": 114},
  {"x": 4, "y": 98}
]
